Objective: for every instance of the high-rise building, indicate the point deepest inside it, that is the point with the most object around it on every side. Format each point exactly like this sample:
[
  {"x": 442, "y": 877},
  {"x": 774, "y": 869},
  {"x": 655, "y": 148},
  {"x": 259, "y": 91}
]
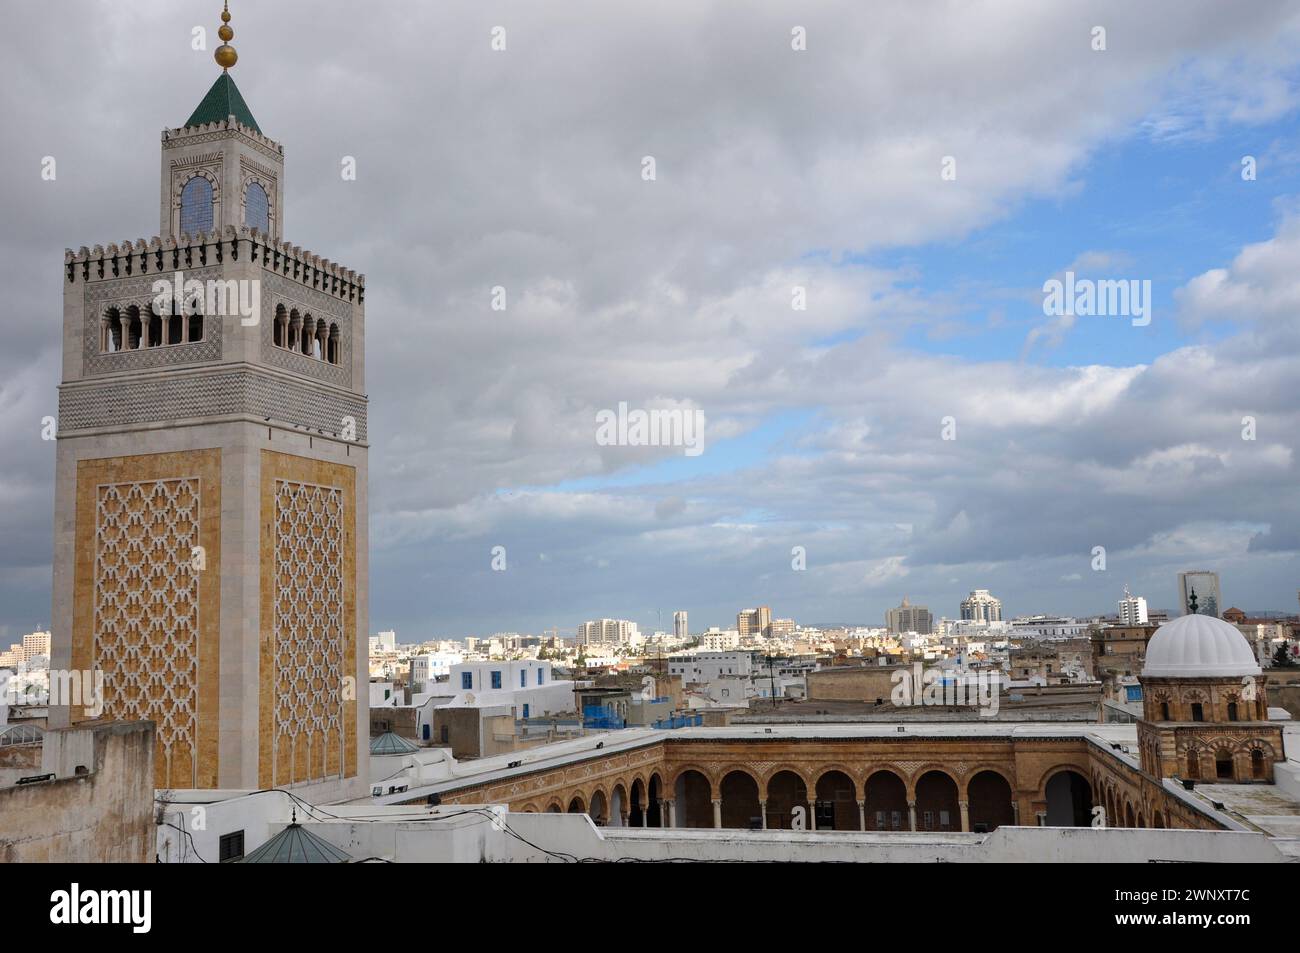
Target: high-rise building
[
  {"x": 36, "y": 643},
  {"x": 979, "y": 606},
  {"x": 909, "y": 618},
  {"x": 783, "y": 628},
  {"x": 1198, "y": 593},
  {"x": 681, "y": 630},
  {"x": 608, "y": 632},
  {"x": 210, "y": 548},
  {"x": 1132, "y": 609},
  {"x": 754, "y": 623}
]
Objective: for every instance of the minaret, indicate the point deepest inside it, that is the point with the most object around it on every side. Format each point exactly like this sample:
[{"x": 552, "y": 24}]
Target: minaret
[{"x": 210, "y": 495}]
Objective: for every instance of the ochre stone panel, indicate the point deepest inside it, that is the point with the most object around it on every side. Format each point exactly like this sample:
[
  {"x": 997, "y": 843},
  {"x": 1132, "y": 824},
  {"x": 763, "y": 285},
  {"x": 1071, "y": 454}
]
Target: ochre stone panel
[
  {"x": 147, "y": 603},
  {"x": 307, "y": 650}
]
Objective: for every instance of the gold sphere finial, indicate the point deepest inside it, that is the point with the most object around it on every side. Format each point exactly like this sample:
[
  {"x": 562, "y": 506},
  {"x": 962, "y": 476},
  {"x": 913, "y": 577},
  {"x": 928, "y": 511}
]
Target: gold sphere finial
[{"x": 225, "y": 54}]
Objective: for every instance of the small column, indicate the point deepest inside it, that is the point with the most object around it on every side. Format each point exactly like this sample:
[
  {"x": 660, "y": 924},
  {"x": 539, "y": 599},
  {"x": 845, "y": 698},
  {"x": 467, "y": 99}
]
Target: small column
[
  {"x": 623, "y": 819},
  {"x": 965, "y": 815},
  {"x": 717, "y": 813},
  {"x": 762, "y": 810},
  {"x": 1015, "y": 813},
  {"x": 812, "y": 815},
  {"x": 672, "y": 811},
  {"x": 862, "y": 815},
  {"x": 645, "y": 814},
  {"x": 911, "y": 815}
]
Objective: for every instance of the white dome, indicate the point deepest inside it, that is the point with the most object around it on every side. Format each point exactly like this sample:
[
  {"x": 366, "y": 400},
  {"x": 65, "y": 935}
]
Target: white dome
[{"x": 1198, "y": 646}]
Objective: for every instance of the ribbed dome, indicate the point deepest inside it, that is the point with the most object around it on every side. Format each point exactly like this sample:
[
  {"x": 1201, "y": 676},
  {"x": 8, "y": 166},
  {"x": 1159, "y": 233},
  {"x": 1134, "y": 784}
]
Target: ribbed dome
[{"x": 1199, "y": 646}]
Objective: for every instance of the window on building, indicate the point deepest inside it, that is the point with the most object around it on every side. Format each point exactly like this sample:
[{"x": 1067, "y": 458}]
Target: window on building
[
  {"x": 196, "y": 206},
  {"x": 927, "y": 820},
  {"x": 1193, "y": 765},
  {"x": 111, "y": 339},
  {"x": 1257, "y": 764},
  {"x": 525, "y": 710},
  {"x": 496, "y": 679},
  {"x": 1223, "y": 765},
  {"x": 231, "y": 847},
  {"x": 541, "y": 675},
  {"x": 257, "y": 210},
  {"x": 523, "y": 678},
  {"x": 466, "y": 680},
  {"x": 1232, "y": 711},
  {"x": 1164, "y": 711},
  {"x": 1198, "y": 712}
]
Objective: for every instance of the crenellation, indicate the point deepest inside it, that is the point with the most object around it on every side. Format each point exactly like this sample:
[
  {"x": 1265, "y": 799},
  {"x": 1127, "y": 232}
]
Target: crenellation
[
  {"x": 162, "y": 253},
  {"x": 172, "y": 137}
]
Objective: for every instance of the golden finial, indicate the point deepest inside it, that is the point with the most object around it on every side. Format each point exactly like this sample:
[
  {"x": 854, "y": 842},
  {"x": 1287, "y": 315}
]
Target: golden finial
[{"x": 225, "y": 54}]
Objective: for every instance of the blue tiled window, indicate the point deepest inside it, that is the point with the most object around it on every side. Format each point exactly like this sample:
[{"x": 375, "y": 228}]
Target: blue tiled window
[
  {"x": 257, "y": 210},
  {"x": 196, "y": 206},
  {"x": 466, "y": 680},
  {"x": 541, "y": 674},
  {"x": 496, "y": 679}
]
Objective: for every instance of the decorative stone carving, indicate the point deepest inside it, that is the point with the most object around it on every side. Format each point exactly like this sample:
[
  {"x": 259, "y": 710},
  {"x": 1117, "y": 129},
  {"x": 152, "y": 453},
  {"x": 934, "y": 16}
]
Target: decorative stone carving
[{"x": 146, "y": 612}]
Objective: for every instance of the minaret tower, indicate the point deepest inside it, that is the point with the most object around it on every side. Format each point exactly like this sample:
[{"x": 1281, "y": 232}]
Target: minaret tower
[{"x": 210, "y": 500}]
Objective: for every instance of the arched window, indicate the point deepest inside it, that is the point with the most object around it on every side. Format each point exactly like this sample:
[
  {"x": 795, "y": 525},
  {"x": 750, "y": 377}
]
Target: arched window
[
  {"x": 196, "y": 206},
  {"x": 1232, "y": 711},
  {"x": 112, "y": 331},
  {"x": 1223, "y": 765},
  {"x": 295, "y": 329},
  {"x": 134, "y": 329},
  {"x": 1198, "y": 713},
  {"x": 1257, "y": 764},
  {"x": 1193, "y": 765},
  {"x": 308, "y": 333},
  {"x": 333, "y": 350},
  {"x": 196, "y": 327},
  {"x": 257, "y": 210},
  {"x": 175, "y": 328},
  {"x": 155, "y": 329},
  {"x": 1164, "y": 711},
  {"x": 280, "y": 331}
]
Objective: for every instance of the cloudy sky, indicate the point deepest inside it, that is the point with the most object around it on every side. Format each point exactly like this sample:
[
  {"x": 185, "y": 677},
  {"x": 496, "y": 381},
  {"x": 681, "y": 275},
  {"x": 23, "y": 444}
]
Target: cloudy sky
[{"x": 774, "y": 169}]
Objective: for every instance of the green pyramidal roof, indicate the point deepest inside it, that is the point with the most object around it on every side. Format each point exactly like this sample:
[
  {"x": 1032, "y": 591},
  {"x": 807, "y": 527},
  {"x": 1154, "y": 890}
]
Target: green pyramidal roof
[
  {"x": 223, "y": 100},
  {"x": 297, "y": 845}
]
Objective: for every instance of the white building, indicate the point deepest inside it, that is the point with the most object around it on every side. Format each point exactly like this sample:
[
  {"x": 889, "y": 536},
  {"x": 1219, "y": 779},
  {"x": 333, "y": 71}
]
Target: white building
[
  {"x": 608, "y": 632},
  {"x": 432, "y": 666},
  {"x": 979, "y": 606},
  {"x": 710, "y": 666},
  {"x": 1132, "y": 609},
  {"x": 1044, "y": 627},
  {"x": 720, "y": 640},
  {"x": 680, "y": 627},
  {"x": 524, "y": 684}
]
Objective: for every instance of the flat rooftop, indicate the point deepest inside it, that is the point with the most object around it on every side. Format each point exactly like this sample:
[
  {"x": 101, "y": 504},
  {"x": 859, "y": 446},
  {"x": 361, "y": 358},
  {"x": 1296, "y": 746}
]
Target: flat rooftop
[{"x": 485, "y": 770}]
